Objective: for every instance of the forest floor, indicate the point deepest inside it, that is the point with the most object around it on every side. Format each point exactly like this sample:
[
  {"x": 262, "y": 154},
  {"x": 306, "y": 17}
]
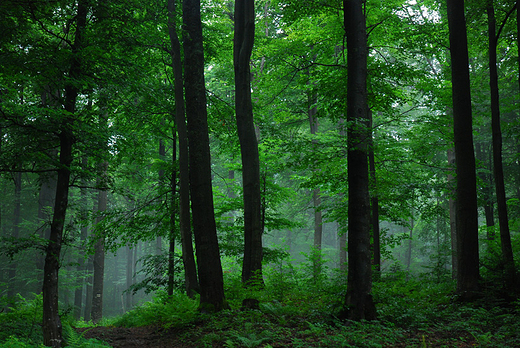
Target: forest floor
[
  {"x": 411, "y": 313},
  {"x": 153, "y": 336},
  {"x": 419, "y": 312}
]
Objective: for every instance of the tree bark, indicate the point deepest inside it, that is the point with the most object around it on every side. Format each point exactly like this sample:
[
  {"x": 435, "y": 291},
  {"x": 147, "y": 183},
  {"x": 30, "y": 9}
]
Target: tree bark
[
  {"x": 204, "y": 227},
  {"x": 467, "y": 217},
  {"x": 358, "y": 300},
  {"x": 52, "y": 329},
  {"x": 312, "y": 111},
  {"x": 17, "y": 178},
  {"x": 498, "y": 171},
  {"x": 188, "y": 259},
  {"x": 374, "y": 203},
  {"x": 129, "y": 277},
  {"x": 99, "y": 261},
  {"x": 78, "y": 293},
  {"x": 242, "y": 48},
  {"x": 453, "y": 214}
]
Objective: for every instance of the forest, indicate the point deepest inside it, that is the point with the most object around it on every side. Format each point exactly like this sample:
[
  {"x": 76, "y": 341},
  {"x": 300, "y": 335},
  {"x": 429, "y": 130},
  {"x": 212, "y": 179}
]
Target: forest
[{"x": 269, "y": 173}]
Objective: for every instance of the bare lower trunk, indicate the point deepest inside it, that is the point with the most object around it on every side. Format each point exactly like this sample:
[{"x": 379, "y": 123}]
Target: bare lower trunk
[
  {"x": 99, "y": 262},
  {"x": 498, "y": 171},
  {"x": 467, "y": 217},
  {"x": 359, "y": 304},
  {"x": 243, "y": 45},
  {"x": 208, "y": 255},
  {"x": 453, "y": 212}
]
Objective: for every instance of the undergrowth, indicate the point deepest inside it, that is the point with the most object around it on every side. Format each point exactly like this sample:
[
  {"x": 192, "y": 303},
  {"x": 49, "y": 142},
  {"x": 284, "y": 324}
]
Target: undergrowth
[{"x": 299, "y": 310}]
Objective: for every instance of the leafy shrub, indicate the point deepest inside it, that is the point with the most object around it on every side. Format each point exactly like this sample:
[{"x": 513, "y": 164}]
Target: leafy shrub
[{"x": 169, "y": 311}]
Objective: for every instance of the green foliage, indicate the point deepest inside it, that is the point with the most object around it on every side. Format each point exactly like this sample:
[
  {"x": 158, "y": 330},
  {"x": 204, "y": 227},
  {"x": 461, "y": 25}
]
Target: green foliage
[
  {"x": 23, "y": 320},
  {"x": 173, "y": 311}
]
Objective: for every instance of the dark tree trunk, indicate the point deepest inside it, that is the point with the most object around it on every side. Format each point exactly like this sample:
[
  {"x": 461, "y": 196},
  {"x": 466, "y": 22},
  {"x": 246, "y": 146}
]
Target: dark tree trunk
[
  {"x": 358, "y": 300},
  {"x": 99, "y": 261},
  {"x": 204, "y": 227},
  {"x": 312, "y": 111},
  {"x": 374, "y": 206},
  {"x": 17, "y": 178},
  {"x": 173, "y": 213},
  {"x": 129, "y": 277},
  {"x": 52, "y": 329},
  {"x": 467, "y": 217},
  {"x": 78, "y": 293},
  {"x": 487, "y": 190},
  {"x": 242, "y": 48},
  {"x": 453, "y": 213},
  {"x": 88, "y": 289},
  {"x": 162, "y": 156},
  {"x": 188, "y": 259},
  {"x": 498, "y": 171},
  {"x": 342, "y": 238}
]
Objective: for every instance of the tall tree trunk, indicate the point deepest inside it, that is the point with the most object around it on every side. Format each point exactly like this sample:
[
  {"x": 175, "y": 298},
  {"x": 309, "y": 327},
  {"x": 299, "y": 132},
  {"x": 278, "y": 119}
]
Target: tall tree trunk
[
  {"x": 173, "y": 213},
  {"x": 453, "y": 213},
  {"x": 188, "y": 259},
  {"x": 52, "y": 329},
  {"x": 467, "y": 217},
  {"x": 99, "y": 260},
  {"x": 88, "y": 288},
  {"x": 358, "y": 300},
  {"x": 78, "y": 293},
  {"x": 312, "y": 111},
  {"x": 129, "y": 277},
  {"x": 204, "y": 228},
  {"x": 11, "y": 290},
  {"x": 498, "y": 171},
  {"x": 244, "y": 35},
  {"x": 374, "y": 203},
  {"x": 162, "y": 156},
  {"x": 487, "y": 190}
]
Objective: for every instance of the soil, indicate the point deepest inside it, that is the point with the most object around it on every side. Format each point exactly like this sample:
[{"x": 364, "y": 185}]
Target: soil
[
  {"x": 158, "y": 337},
  {"x": 143, "y": 337}
]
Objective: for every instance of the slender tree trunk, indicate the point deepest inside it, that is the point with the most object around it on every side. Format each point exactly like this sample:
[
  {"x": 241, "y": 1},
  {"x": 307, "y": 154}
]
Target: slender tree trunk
[
  {"x": 410, "y": 245},
  {"x": 487, "y": 191},
  {"x": 173, "y": 213},
  {"x": 359, "y": 304},
  {"x": 99, "y": 261},
  {"x": 129, "y": 277},
  {"x": 374, "y": 200},
  {"x": 342, "y": 239},
  {"x": 204, "y": 227},
  {"x": 188, "y": 259},
  {"x": 312, "y": 111},
  {"x": 242, "y": 48},
  {"x": 453, "y": 213},
  {"x": 52, "y": 329},
  {"x": 498, "y": 171},
  {"x": 11, "y": 290},
  {"x": 162, "y": 156},
  {"x": 88, "y": 288},
  {"x": 78, "y": 294},
  {"x": 467, "y": 217}
]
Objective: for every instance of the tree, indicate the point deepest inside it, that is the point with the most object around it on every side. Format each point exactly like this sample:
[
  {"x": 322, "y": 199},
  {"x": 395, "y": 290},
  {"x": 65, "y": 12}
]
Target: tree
[
  {"x": 498, "y": 170},
  {"x": 358, "y": 300},
  {"x": 52, "y": 330},
  {"x": 188, "y": 259},
  {"x": 204, "y": 228},
  {"x": 466, "y": 201},
  {"x": 243, "y": 46}
]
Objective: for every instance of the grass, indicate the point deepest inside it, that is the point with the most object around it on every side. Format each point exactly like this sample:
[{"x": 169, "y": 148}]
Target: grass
[{"x": 296, "y": 311}]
